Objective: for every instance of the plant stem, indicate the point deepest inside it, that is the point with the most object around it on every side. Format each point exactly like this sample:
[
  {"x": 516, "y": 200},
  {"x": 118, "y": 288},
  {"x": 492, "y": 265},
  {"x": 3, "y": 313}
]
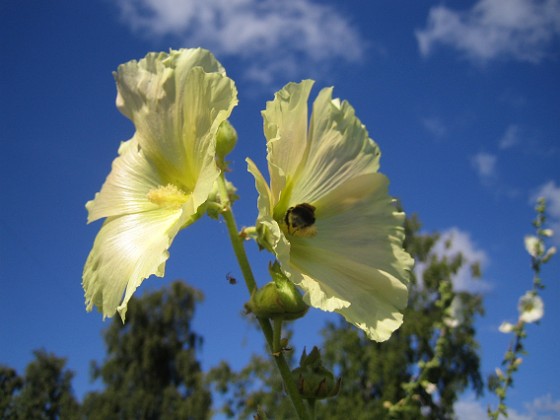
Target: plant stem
[
  {"x": 312, "y": 404},
  {"x": 276, "y": 336},
  {"x": 243, "y": 261}
]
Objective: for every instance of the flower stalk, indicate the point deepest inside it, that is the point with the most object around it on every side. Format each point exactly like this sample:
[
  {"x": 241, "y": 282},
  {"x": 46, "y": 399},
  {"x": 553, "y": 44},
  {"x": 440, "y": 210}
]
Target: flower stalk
[
  {"x": 530, "y": 310},
  {"x": 269, "y": 333}
]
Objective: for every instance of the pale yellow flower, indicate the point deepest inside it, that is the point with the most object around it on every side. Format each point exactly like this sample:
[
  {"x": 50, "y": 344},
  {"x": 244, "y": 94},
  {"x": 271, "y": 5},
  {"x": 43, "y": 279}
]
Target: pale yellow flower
[
  {"x": 327, "y": 214},
  {"x": 163, "y": 174}
]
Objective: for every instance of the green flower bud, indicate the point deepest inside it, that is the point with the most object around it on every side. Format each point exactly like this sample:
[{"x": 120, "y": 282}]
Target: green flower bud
[
  {"x": 214, "y": 206},
  {"x": 312, "y": 379},
  {"x": 226, "y": 138},
  {"x": 279, "y": 299}
]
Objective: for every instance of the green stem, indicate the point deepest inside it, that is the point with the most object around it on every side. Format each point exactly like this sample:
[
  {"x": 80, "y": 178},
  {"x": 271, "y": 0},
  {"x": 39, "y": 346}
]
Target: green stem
[
  {"x": 243, "y": 261},
  {"x": 312, "y": 404},
  {"x": 277, "y": 337}
]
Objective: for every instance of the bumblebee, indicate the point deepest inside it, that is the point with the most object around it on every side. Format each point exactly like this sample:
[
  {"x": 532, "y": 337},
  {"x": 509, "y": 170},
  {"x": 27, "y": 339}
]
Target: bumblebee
[{"x": 300, "y": 220}]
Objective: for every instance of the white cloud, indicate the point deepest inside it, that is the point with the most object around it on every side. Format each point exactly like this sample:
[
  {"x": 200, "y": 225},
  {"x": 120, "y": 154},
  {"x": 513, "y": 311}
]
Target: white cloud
[
  {"x": 516, "y": 29},
  {"x": 541, "y": 408},
  {"x": 551, "y": 192},
  {"x": 485, "y": 165},
  {"x": 544, "y": 408},
  {"x": 469, "y": 409},
  {"x": 511, "y": 137},
  {"x": 452, "y": 242},
  {"x": 434, "y": 126},
  {"x": 272, "y": 37}
]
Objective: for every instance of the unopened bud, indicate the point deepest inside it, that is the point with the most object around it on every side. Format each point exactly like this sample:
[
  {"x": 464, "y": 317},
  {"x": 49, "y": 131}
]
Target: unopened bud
[
  {"x": 279, "y": 299},
  {"x": 226, "y": 138},
  {"x": 312, "y": 379}
]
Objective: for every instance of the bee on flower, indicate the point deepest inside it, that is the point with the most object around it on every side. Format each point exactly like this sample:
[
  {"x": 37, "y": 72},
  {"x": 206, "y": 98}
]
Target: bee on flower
[{"x": 327, "y": 214}]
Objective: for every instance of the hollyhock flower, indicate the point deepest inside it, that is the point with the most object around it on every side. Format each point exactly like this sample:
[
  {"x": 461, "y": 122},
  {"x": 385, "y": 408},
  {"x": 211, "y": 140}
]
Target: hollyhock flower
[
  {"x": 163, "y": 174},
  {"x": 530, "y": 307},
  {"x": 327, "y": 214}
]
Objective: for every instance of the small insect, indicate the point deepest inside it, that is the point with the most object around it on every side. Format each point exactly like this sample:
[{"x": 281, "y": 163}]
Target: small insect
[
  {"x": 231, "y": 279},
  {"x": 300, "y": 220}
]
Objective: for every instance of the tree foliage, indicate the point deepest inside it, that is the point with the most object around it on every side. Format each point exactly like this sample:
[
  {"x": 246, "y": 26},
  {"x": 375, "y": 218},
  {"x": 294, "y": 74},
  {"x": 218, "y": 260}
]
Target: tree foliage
[
  {"x": 45, "y": 391},
  {"x": 373, "y": 373},
  {"x": 151, "y": 370}
]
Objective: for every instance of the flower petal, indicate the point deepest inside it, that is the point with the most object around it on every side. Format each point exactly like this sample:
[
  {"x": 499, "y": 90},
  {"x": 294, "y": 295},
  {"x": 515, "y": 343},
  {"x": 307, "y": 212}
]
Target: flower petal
[
  {"x": 285, "y": 127},
  {"x": 127, "y": 250},
  {"x": 271, "y": 237},
  {"x": 125, "y": 189},
  {"x": 339, "y": 149},
  {"x": 264, "y": 202}
]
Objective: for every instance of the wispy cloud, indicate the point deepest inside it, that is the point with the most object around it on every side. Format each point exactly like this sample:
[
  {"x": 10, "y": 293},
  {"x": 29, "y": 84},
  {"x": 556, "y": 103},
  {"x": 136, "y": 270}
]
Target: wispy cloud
[
  {"x": 544, "y": 407},
  {"x": 516, "y": 29},
  {"x": 455, "y": 241},
  {"x": 511, "y": 137},
  {"x": 484, "y": 165},
  {"x": 435, "y": 127},
  {"x": 551, "y": 192},
  {"x": 272, "y": 37}
]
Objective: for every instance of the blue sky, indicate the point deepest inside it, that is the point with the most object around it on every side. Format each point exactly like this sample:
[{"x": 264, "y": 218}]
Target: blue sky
[{"x": 462, "y": 98}]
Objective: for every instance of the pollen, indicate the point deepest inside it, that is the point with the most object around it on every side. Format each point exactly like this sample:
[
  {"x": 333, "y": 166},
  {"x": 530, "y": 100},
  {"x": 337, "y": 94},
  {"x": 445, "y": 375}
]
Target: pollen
[{"x": 169, "y": 196}]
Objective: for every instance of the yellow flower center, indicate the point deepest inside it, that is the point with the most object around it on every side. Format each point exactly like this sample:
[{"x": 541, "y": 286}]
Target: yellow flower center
[{"x": 169, "y": 196}]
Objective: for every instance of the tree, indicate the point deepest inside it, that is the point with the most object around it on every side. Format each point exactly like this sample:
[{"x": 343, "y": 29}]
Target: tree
[
  {"x": 45, "y": 392},
  {"x": 372, "y": 373},
  {"x": 10, "y": 383},
  {"x": 151, "y": 370}
]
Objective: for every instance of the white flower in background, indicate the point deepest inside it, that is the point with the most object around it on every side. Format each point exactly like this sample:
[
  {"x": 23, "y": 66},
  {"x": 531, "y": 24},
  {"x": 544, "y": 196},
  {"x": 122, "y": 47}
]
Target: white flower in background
[
  {"x": 550, "y": 252},
  {"x": 547, "y": 232},
  {"x": 327, "y": 214},
  {"x": 530, "y": 307},
  {"x": 162, "y": 176},
  {"x": 534, "y": 246},
  {"x": 456, "y": 313},
  {"x": 429, "y": 387},
  {"x": 505, "y": 327}
]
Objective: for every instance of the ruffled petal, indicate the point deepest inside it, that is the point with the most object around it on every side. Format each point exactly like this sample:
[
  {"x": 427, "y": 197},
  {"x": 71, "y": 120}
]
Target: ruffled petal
[
  {"x": 339, "y": 149},
  {"x": 127, "y": 250},
  {"x": 285, "y": 127}
]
